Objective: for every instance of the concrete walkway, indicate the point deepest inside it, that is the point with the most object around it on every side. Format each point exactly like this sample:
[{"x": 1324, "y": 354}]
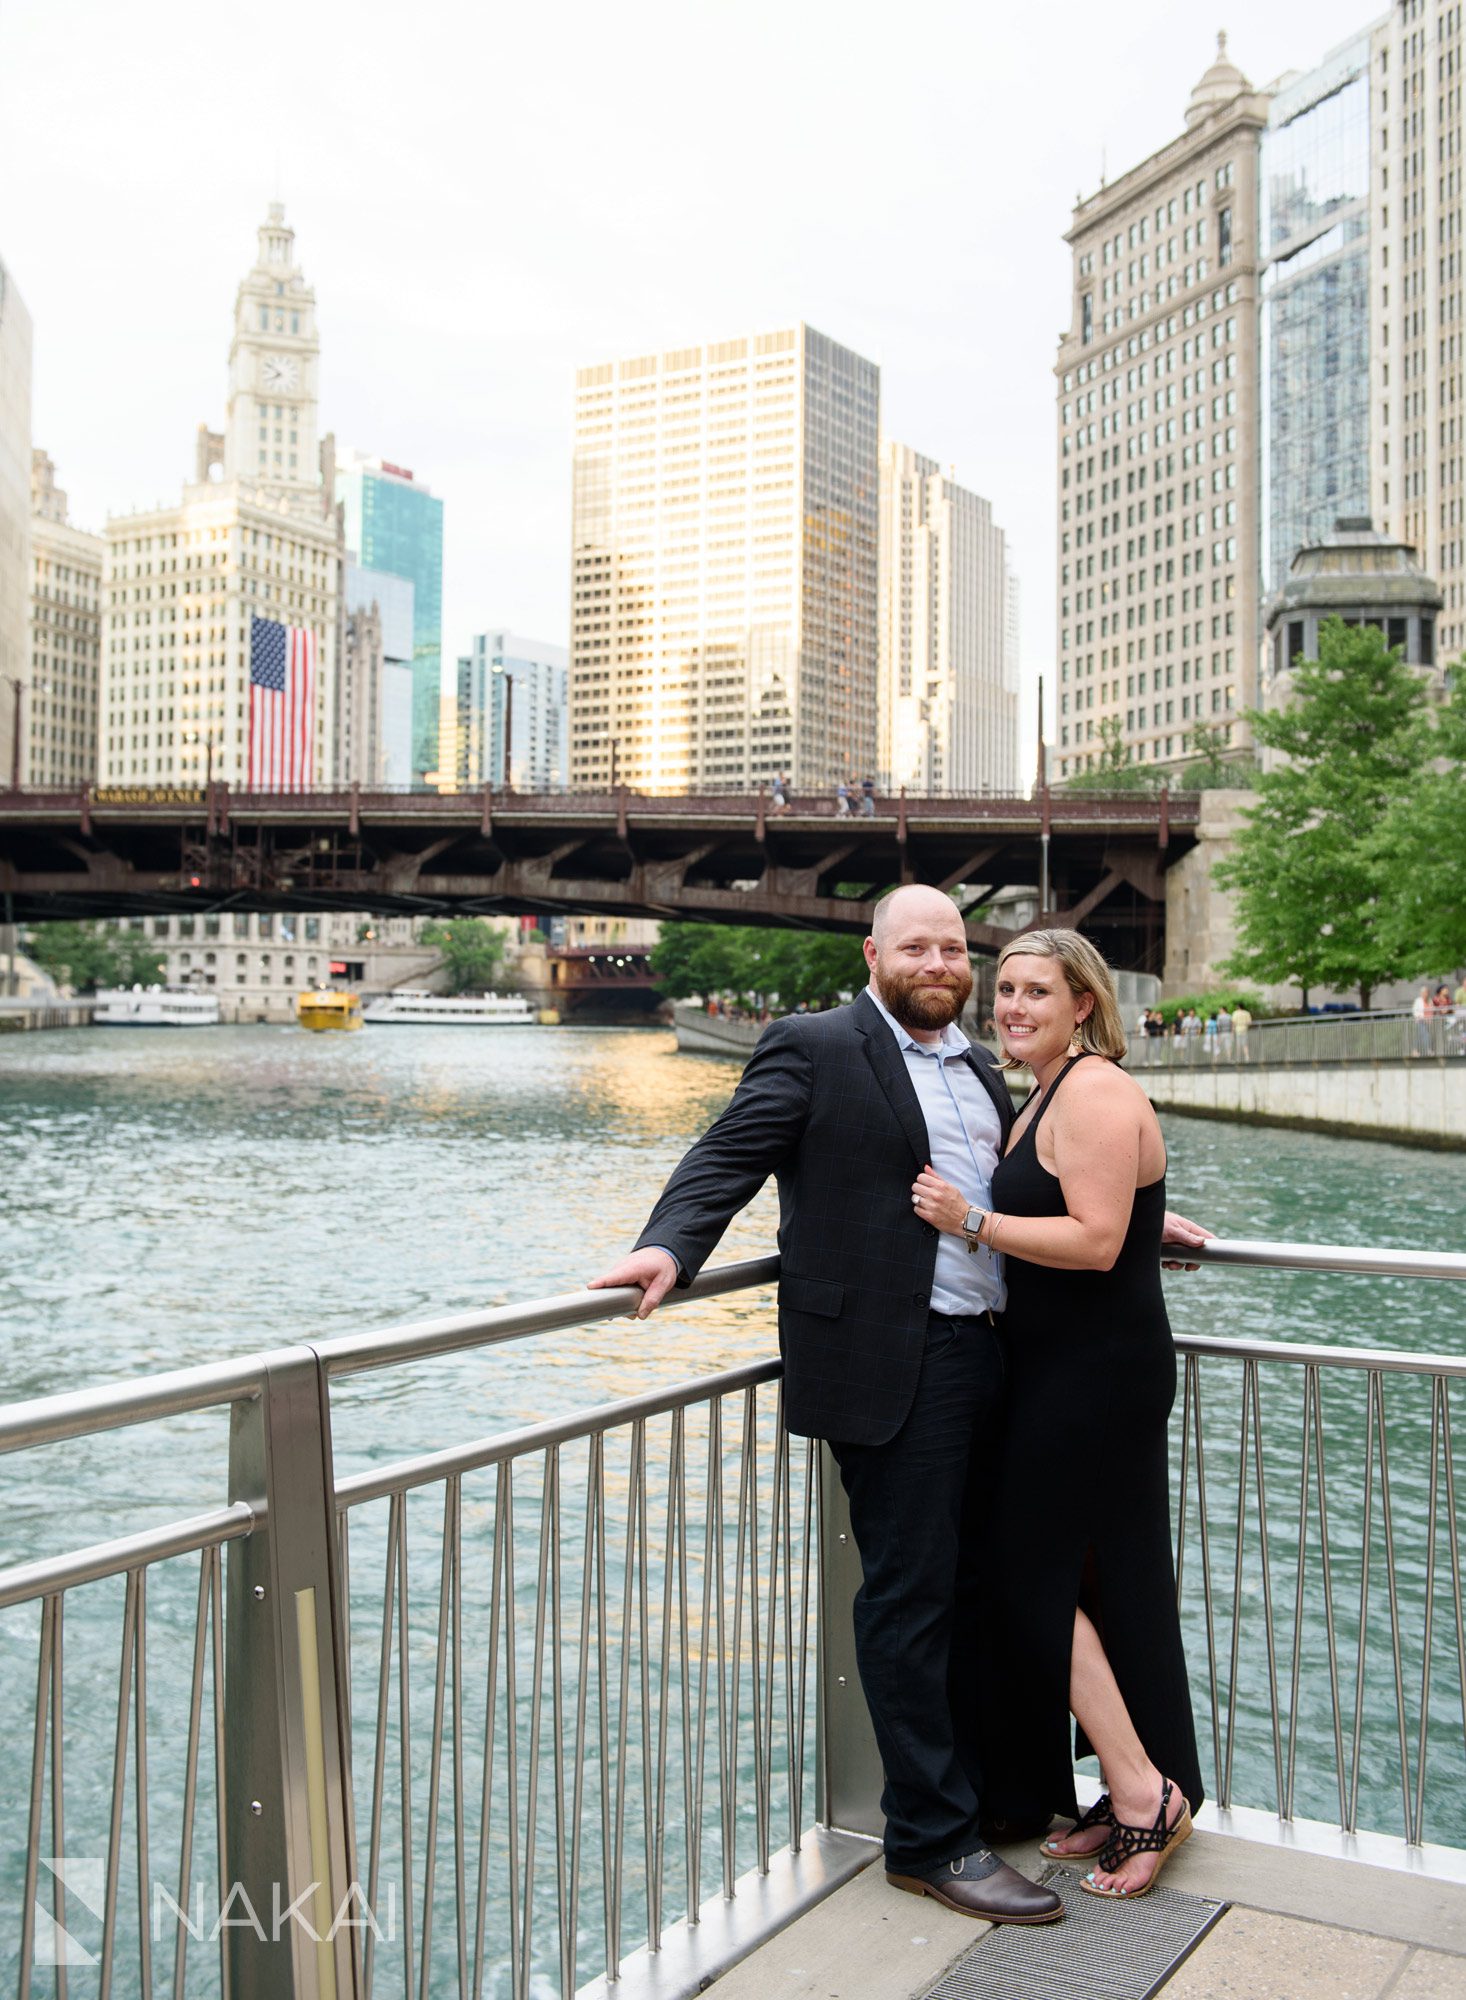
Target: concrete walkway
[{"x": 1301, "y": 1927}]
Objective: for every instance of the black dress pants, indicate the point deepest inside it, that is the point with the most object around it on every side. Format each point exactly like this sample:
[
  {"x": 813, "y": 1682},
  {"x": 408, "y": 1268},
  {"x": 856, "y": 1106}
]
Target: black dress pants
[{"x": 918, "y": 1509}]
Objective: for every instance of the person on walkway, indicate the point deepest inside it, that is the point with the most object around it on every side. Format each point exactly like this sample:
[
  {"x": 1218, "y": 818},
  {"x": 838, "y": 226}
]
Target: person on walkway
[
  {"x": 889, "y": 1335},
  {"x": 781, "y": 794},
  {"x": 842, "y": 798},
  {"x": 1420, "y": 1007},
  {"x": 1224, "y": 1032},
  {"x": 1241, "y": 1023},
  {"x": 1088, "y": 1593},
  {"x": 868, "y": 797}
]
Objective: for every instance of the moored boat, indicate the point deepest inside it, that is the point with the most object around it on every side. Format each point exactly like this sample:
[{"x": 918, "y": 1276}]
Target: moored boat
[
  {"x": 413, "y": 1006},
  {"x": 155, "y": 1007}
]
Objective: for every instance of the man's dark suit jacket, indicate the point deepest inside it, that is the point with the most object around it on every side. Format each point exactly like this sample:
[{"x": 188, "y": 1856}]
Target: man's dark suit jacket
[{"x": 826, "y": 1105}]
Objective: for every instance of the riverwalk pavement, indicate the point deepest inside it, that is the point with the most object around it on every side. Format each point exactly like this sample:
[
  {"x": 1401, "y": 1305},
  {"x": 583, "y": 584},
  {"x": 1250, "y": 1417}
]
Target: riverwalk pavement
[{"x": 1296, "y": 1926}]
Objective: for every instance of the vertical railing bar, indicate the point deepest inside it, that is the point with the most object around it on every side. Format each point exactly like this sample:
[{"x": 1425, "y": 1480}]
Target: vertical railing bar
[
  {"x": 1428, "y": 1644},
  {"x": 1267, "y": 1585},
  {"x": 618, "y": 1830},
  {"x": 643, "y": 1624},
  {"x": 1453, "y": 1543},
  {"x": 1327, "y": 1571},
  {"x": 755, "y": 1636},
  {"x": 536, "y": 1706},
  {"x": 1183, "y": 1476},
  {"x": 1357, "y": 1746},
  {"x": 1387, "y": 1514},
  {"x": 191, "y": 1770},
  {"x": 343, "y": 1572},
  {"x": 771, "y": 1619},
  {"x": 792, "y": 1747},
  {"x": 460, "y": 1803},
  {"x": 58, "y": 1771},
  {"x": 38, "y": 1795},
  {"x": 603, "y": 1716},
  {"x": 582, "y": 1690},
  {"x": 404, "y": 1744},
  {"x": 435, "y": 1750},
  {"x": 1225, "y": 1794},
  {"x": 491, "y": 1709},
  {"x": 1193, "y": 1364},
  {"x": 140, "y": 1785},
  {"x": 564, "y": 1919},
  {"x": 735, "y": 1709},
  {"x": 711, "y": 1610},
  {"x": 806, "y": 1575},
  {"x": 119, "y": 1780},
  {"x": 379, "y": 1750},
  {"x": 511, "y": 1711},
  {"x": 679, "y": 1494},
  {"x": 1310, "y": 1383},
  {"x": 216, "y": 1655},
  {"x": 656, "y": 1884}
]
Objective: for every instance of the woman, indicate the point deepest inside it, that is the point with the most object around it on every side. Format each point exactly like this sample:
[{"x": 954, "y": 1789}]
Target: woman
[{"x": 1083, "y": 1535}]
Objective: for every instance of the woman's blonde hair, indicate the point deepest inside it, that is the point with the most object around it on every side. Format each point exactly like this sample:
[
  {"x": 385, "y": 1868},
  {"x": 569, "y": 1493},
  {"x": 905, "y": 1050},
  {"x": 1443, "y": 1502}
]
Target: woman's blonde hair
[{"x": 1101, "y": 1032}]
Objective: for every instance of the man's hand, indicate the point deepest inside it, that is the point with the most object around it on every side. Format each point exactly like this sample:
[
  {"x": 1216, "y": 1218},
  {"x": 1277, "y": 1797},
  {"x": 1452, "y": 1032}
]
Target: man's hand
[
  {"x": 655, "y": 1271},
  {"x": 1177, "y": 1230}
]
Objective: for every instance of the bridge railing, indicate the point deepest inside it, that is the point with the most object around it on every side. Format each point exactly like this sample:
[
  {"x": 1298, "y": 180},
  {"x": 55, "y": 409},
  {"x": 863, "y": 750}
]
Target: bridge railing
[
  {"x": 1392, "y": 1035},
  {"x": 578, "y": 1700}
]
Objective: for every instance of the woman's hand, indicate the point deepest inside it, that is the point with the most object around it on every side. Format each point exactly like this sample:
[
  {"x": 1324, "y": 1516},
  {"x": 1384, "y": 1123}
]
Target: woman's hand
[{"x": 936, "y": 1201}]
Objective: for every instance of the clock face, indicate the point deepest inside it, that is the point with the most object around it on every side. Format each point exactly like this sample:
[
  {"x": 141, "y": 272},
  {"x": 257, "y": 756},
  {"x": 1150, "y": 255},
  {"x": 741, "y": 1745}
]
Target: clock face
[{"x": 280, "y": 374}]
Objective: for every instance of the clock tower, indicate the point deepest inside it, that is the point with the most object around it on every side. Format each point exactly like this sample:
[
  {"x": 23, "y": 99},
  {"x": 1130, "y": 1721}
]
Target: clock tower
[{"x": 270, "y": 437}]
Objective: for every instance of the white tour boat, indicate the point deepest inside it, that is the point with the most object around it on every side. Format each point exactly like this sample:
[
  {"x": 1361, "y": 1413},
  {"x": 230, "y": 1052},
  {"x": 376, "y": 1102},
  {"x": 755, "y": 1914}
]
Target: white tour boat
[
  {"x": 155, "y": 1007},
  {"x": 438, "y": 1010}
]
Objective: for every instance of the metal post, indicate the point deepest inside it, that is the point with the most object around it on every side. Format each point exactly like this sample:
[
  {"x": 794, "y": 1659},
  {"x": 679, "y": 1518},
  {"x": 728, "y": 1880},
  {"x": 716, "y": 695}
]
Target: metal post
[
  {"x": 288, "y": 1833},
  {"x": 846, "y": 1757}
]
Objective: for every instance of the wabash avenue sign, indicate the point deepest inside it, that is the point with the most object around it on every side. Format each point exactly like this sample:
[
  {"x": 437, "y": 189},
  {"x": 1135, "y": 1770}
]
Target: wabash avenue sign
[{"x": 148, "y": 795}]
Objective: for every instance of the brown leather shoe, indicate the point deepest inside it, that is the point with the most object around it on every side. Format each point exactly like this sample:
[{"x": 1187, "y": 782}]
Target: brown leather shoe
[{"x": 979, "y": 1885}]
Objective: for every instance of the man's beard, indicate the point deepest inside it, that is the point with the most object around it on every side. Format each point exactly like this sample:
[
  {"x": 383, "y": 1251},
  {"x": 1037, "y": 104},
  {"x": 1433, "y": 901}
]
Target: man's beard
[{"x": 918, "y": 1002}]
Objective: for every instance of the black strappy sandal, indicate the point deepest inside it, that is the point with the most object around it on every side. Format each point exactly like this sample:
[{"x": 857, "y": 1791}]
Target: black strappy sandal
[
  {"x": 1101, "y": 1813},
  {"x": 1161, "y": 1839}
]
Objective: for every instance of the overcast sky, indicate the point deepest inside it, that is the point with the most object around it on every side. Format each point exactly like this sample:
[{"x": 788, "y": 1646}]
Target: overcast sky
[{"x": 488, "y": 195}]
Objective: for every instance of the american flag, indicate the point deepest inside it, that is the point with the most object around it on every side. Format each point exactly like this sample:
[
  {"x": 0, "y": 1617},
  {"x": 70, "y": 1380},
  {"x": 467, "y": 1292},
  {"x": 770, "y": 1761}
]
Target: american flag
[{"x": 282, "y": 706}]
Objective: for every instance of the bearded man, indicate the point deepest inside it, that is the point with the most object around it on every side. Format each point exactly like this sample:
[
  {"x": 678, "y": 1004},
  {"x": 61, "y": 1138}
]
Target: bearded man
[{"x": 887, "y": 1330}]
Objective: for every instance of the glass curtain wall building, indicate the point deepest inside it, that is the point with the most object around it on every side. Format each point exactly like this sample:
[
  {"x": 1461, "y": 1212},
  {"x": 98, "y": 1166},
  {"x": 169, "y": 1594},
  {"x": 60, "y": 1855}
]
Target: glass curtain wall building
[
  {"x": 513, "y": 725},
  {"x": 394, "y": 523},
  {"x": 1314, "y": 312}
]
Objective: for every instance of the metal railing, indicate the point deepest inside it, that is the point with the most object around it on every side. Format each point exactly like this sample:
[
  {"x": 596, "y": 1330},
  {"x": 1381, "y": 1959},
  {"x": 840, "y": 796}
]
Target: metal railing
[
  {"x": 1394, "y": 1036},
  {"x": 534, "y": 1752}
]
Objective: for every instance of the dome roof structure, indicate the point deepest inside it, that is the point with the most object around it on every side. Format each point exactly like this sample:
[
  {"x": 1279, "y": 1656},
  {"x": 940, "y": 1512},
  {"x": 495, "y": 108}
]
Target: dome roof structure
[{"x": 1221, "y": 83}]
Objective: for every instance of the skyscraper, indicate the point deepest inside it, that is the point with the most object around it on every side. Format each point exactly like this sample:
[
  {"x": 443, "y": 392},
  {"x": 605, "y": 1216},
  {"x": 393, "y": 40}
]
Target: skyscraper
[
  {"x": 60, "y": 726},
  {"x": 948, "y": 681},
  {"x": 513, "y": 723},
  {"x": 1158, "y": 469},
  {"x": 724, "y": 566},
  {"x": 15, "y": 516},
  {"x": 374, "y": 710},
  {"x": 255, "y": 535},
  {"x": 394, "y": 523}
]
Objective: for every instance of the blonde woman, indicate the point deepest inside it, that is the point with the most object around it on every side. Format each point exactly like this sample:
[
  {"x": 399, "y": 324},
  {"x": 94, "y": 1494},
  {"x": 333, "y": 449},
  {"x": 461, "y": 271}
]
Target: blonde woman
[{"x": 1082, "y": 1533}]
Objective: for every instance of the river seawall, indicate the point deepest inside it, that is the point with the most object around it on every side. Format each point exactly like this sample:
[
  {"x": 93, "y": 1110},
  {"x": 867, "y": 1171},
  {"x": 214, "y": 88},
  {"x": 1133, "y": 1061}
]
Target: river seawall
[{"x": 1413, "y": 1103}]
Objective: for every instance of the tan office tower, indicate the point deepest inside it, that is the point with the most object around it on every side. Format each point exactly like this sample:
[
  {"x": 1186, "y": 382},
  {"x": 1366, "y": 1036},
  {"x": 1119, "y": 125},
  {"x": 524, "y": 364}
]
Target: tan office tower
[
  {"x": 1418, "y": 330},
  {"x": 255, "y": 535},
  {"x": 15, "y": 519},
  {"x": 66, "y": 640},
  {"x": 723, "y": 619},
  {"x": 948, "y": 656},
  {"x": 1157, "y": 396}
]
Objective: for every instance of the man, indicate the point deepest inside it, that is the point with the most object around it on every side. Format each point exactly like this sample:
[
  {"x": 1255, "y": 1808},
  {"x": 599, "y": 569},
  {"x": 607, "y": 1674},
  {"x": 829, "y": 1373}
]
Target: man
[{"x": 890, "y": 1351}]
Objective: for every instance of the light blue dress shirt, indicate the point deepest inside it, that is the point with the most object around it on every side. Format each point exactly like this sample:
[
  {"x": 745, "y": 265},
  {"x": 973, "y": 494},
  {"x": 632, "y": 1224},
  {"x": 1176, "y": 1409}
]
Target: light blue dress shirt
[{"x": 965, "y": 1139}]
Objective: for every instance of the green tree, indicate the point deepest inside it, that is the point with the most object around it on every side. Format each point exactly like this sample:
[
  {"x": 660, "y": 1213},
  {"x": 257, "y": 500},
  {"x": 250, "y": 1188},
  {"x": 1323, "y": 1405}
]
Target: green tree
[
  {"x": 746, "y": 961},
  {"x": 1216, "y": 768},
  {"x": 473, "y": 951},
  {"x": 89, "y": 955},
  {"x": 1311, "y": 877},
  {"x": 1420, "y": 847}
]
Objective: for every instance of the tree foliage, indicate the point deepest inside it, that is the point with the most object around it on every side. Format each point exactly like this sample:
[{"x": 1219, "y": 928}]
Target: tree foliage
[
  {"x": 1312, "y": 872},
  {"x": 744, "y": 962},
  {"x": 88, "y": 955},
  {"x": 473, "y": 952},
  {"x": 1420, "y": 850}
]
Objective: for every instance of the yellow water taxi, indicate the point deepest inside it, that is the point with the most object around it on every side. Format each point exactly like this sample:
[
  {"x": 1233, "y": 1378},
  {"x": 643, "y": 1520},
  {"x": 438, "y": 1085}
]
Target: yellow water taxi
[{"x": 328, "y": 1010}]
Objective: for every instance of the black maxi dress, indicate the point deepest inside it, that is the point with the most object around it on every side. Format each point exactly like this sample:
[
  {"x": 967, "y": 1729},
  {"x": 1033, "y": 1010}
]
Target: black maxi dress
[{"x": 1084, "y": 1503}]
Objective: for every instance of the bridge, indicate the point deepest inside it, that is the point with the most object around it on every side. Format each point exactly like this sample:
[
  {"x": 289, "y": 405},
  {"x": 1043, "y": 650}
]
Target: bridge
[{"x": 717, "y": 859}]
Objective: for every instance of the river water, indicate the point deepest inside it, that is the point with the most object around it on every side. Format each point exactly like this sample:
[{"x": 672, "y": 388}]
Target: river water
[{"x": 191, "y": 1195}]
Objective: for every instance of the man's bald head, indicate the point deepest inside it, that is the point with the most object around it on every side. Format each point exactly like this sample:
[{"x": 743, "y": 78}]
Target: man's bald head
[
  {"x": 917, "y": 954},
  {"x": 915, "y": 906}
]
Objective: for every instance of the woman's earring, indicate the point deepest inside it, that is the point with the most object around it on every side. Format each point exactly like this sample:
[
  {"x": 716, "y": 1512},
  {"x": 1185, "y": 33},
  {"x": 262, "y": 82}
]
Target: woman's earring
[{"x": 1076, "y": 1047}]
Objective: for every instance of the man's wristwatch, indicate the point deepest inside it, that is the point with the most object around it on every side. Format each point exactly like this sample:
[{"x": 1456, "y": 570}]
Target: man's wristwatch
[{"x": 972, "y": 1224}]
